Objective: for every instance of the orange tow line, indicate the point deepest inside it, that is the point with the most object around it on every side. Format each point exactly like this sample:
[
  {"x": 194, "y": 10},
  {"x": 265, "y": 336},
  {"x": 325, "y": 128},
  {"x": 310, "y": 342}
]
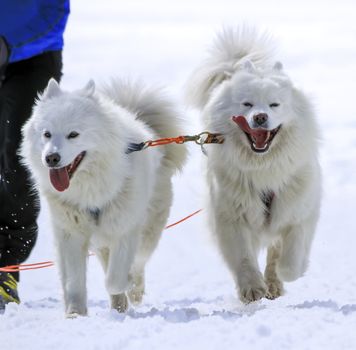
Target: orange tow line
[{"x": 41, "y": 265}]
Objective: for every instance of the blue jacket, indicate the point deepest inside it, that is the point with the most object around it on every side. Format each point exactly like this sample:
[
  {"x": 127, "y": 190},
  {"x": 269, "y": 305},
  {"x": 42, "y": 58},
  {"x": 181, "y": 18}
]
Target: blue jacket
[{"x": 31, "y": 27}]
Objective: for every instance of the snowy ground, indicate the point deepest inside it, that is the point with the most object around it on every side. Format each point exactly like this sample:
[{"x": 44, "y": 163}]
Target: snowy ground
[{"x": 190, "y": 301}]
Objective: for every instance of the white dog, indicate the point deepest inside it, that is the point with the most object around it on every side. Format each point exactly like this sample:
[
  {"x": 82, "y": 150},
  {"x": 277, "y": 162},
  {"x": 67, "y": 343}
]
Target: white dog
[
  {"x": 264, "y": 181},
  {"x": 78, "y": 146}
]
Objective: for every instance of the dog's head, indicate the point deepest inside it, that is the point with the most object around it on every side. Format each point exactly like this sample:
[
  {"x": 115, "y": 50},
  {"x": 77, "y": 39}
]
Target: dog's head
[
  {"x": 262, "y": 104},
  {"x": 61, "y": 133},
  {"x": 255, "y": 107}
]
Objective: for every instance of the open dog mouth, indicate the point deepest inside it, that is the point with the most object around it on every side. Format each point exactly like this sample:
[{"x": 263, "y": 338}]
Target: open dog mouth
[
  {"x": 260, "y": 138},
  {"x": 60, "y": 177}
]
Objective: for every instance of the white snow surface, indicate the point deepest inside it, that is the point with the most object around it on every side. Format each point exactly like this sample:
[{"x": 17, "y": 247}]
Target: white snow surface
[{"x": 191, "y": 302}]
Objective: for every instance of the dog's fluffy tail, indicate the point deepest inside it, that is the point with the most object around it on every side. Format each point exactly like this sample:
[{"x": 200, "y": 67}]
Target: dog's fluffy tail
[
  {"x": 154, "y": 108},
  {"x": 231, "y": 49}
]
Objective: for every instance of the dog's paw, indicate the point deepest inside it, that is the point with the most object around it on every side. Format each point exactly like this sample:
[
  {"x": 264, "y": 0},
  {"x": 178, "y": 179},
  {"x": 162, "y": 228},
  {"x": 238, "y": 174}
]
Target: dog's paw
[
  {"x": 251, "y": 293},
  {"x": 274, "y": 288},
  {"x": 136, "y": 296},
  {"x": 119, "y": 302},
  {"x": 74, "y": 314}
]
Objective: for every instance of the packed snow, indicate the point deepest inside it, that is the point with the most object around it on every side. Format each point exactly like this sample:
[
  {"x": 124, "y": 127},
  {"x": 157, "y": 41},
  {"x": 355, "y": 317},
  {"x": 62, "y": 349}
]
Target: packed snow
[{"x": 191, "y": 302}]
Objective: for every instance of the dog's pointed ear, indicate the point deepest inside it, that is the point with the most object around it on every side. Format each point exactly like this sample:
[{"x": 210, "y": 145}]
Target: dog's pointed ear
[
  {"x": 278, "y": 66},
  {"x": 89, "y": 89},
  {"x": 249, "y": 66},
  {"x": 51, "y": 90}
]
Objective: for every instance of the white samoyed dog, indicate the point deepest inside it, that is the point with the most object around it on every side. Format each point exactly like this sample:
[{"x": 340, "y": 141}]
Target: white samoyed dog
[
  {"x": 264, "y": 180},
  {"x": 101, "y": 195}
]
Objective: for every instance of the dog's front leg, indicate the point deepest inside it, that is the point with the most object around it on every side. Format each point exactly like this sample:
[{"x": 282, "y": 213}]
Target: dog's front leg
[
  {"x": 274, "y": 284},
  {"x": 72, "y": 251},
  {"x": 121, "y": 257},
  {"x": 295, "y": 249},
  {"x": 240, "y": 253}
]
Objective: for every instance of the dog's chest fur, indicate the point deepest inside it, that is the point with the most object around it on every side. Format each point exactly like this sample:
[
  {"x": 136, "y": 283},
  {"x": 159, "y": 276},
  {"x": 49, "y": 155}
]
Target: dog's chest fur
[
  {"x": 243, "y": 199},
  {"x": 100, "y": 224}
]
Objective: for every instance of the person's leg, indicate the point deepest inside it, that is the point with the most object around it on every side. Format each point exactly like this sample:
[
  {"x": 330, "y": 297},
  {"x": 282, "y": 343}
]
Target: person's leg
[{"x": 19, "y": 205}]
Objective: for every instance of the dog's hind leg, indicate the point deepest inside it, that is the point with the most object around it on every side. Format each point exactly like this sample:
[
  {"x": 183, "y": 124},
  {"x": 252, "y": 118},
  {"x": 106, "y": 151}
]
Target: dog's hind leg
[
  {"x": 157, "y": 216},
  {"x": 274, "y": 284},
  {"x": 103, "y": 256},
  {"x": 72, "y": 251}
]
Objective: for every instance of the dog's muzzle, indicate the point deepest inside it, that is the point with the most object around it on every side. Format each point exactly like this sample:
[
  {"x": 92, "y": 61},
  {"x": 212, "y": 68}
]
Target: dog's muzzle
[
  {"x": 260, "y": 138},
  {"x": 60, "y": 177}
]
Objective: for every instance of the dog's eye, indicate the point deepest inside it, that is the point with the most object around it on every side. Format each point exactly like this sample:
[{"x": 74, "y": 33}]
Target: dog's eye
[
  {"x": 247, "y": 104},
  {"x": 274, "y": 105},
  {"x": 47, "y": 134},
  {"x": 73, "y": 135}
]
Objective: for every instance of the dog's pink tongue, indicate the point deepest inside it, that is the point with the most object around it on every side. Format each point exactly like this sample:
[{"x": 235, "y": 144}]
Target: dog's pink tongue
[
  {"x": 59, "y": 179},
  {"x": 260, "y": 136}
]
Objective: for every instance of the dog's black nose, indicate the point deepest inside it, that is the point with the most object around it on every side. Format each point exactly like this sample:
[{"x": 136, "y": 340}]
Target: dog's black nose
[
  {"x": 53, "y": 159},
  {"x": 260, "y": 119}
]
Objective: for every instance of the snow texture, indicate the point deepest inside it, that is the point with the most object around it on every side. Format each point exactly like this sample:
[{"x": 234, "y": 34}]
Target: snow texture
[{"x": 191, "y": 302}]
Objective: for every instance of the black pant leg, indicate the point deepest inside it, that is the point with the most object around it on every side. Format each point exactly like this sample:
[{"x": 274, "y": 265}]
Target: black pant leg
[{"x": 19, "y": 202}]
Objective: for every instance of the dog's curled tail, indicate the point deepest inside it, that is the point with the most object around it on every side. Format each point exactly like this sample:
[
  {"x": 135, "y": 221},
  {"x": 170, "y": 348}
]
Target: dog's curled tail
[
  {"x": 152, "y": 106},
  {"x": 231, "y": 49}
]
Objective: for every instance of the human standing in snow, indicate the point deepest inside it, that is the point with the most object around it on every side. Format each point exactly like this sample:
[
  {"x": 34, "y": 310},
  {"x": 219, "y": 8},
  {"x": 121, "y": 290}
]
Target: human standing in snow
[{"x": 31, "y": 43}]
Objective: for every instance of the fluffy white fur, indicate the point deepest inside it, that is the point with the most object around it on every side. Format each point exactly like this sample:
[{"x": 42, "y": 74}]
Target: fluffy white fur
[
  {"x": 117, "y": 204},
  {"x": 241, "y": 78}
]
